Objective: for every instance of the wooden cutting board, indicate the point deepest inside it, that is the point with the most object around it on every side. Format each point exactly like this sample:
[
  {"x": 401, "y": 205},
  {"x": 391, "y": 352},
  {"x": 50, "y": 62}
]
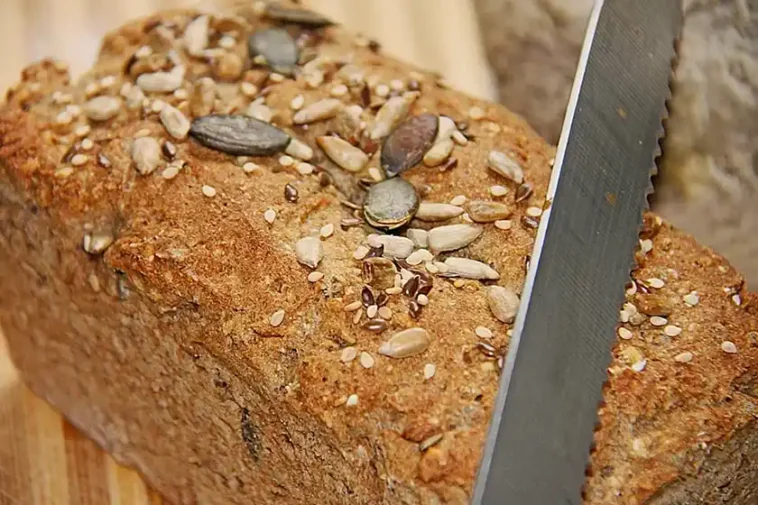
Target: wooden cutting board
[{"x": 46, "y": 461}]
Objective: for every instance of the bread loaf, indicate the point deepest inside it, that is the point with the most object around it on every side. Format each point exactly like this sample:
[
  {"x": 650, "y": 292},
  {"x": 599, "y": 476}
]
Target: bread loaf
[{"x": 205, "y": 296}]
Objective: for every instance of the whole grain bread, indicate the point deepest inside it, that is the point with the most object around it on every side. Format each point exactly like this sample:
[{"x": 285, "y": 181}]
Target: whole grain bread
[{"x": 154, "y": 289}]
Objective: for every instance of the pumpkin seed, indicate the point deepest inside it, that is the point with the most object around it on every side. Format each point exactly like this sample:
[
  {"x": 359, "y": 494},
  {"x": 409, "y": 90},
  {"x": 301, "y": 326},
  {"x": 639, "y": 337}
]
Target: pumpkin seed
[
  {"x": 390, "y": 204},
  {"x": 433, "y": 212},
  {"x": 238, "y": 135},
  {"x": 470, "y": 269},
  {"x": 318, "y": 111},
  {"x": 102, "y": 108},
  {"x": 438, "y": 153},
  {"x": 277, "y": 47},
  {"x": 406, "y": 146},
  {"x": 418, "y": 236},
  {"x": 176, "y": 123},
  {"x": 503, "y": 303},
  {"x": 506, "y": 166},
  {"x": 343, "y": 153},
  {"x": 309, "y": 251},
  {"x": 297, "y": 16},
  {"x": 482, "y": 211},
  {"x": 406, "y": 343},
  {"x": 391, "y": 113},
  {"x": 146, "y": 154},
  {"x": 452, "y": 237}
]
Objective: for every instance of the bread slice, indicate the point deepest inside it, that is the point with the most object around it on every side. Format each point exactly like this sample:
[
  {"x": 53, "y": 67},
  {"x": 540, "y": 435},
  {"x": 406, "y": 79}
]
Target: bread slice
[{"x": 164, "y": 306}]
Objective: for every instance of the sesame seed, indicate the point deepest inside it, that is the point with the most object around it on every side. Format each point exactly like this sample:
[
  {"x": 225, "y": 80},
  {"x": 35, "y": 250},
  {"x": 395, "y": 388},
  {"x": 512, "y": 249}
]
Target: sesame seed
[
  {"x": 371, "y": 311},
  {"x": 429, "y": 370},
  {"x": 360, "y": 252},
  {"x": 534, "y": 211},
  {"x": 348, "y": 354},
  {"x": 107, "y": 81},
  {"x": 385, "y": 312},
  {"x": 144, "y": 132},
  {"x": 672, "y": 330},
  {"x": 158, "y": 106},
  {"x": 275, "y": 77},
  {"x": 63, "y": 118},
  {"x": 458, "y": 200},
  {"x": 483, "y": 332},
  {"x": 170, "y": 172},
  {"x": 498, "y": 190},
  {"x": 658, "y": 321},
  {"x": 297, "y": 102},
  {"x": 327, "y": 230},
  {"x": 269, "y": 216},
  {"x": 64, "y": 172},
  {"x": 646, "y": 245},
  {"x": 656, "y": 283},
  {"x": 691, "y": 299},
  {"x": 640, "y": 365},
  {"x": 459, "y": 283},
  {"x": 367, "y": 361},
  {"x": 143, "y": 52},
  {"x": 422, "y": 300},
  {"x": 632, "y": 289},
  {"x": 79, "y": 159},
  {"x": 476, "y": 113},
  {"x": 503, "y": 224},
  {"x": 625, "y": 333},
  {"x": 209, "y": 191},
  {"x": 248, "y": 89},
  {"x": 250, "y": 167},
  {"x": 382, "y": 90},
  {"x": 728, "y": 347},
  {"x": 315, "y": 276},
  {"x": 397, "y": 85},
  {"x": 227, "y": 42},
  {"x": 353, "y": 306},
  {"x": 82, "y": 130},
  {"x": 277, "y": 318},
  {"x": 338, "y": 90},
  {"x": 352, "y": 400},
  {"x": 684, "y": 357},
  {"x": 286, "y": 161},
  {"x": 91, "y": 88},
  {"x": 87, "y": 144},
  {"x": 304, "y": 168},
  {"x": 394, "y": 290},
  {"x": 737, "y": 300},
  {"x": 181, "y": 94}
]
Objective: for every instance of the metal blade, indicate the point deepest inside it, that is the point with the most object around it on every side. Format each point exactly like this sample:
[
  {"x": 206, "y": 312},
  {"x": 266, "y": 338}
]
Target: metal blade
[{"x": 546, "y": 411}]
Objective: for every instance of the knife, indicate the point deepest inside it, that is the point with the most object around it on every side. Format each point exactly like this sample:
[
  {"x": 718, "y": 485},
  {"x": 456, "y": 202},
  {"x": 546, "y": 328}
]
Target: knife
[{"x": 539, "y": 441}]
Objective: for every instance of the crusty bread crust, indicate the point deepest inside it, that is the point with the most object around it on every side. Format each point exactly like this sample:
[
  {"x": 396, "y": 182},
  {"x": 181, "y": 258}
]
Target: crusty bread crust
[{"x": 164, "y": 345}]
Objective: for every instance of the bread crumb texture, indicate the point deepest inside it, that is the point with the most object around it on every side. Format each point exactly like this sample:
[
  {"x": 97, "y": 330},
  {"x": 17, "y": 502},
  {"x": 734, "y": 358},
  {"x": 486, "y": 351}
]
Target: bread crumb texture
[{"x": 315, "y": 306}]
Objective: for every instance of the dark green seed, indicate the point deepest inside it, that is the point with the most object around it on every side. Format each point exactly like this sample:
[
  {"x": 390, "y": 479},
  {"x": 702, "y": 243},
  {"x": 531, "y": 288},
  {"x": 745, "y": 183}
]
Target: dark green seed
[
  {"x": 278, "y": 47},
  {"x": 238, "y": 135},
  {"x": 302, "y": 17},
  {"x": 390, "y": 204}
]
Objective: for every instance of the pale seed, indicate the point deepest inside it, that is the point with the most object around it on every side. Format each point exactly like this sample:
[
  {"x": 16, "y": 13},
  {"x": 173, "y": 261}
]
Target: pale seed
[
  {"x": 146, "y": 154},
  {"x": 470, "y": 269},
  {"x": 170, "y": 172},
  {"x": 639, "y": 365},
  {"x": 429, "y": 370},
  {"x": 655, "y": 283},
  {"x": 438, "y": 153},
  {"x": 658, "y": 321},
  {"x": 459, "y": 138},
  {"x": 269, "y": 216},
  {"x": 452, "y": 237},
  {"x": 327, "y": 230},
  {"x": 367, "y": 361},
  {"x": 297, "y": 103},
  {"x": 691, "y": 299},
  {"x": 344, "y": 154},
  {"x": 248, "y": 89},
  {"x": 352, "y": 400},
  {"x": 385, "y": 312},
  {"x": 87, "y": 144},
  {"x": 482, "y": 211},
  {"x": 195, "y": 37},
  {"x": 406, "y": 343},
  {"x": 79, "y": 159},
  {"x": 418, "y": 236},
  {"x": 458, "y": 200},
  {"x": 504, "y": 165},
  {"x": 309, "y": 251},
  {"x": 176, "y": 123},
  {"x": 317, "y": 111},
  {"x": 476, "y": 113},
  {"x": 97, "y": 243},
  {"x": 350, "y": 307},
  {"x": 360, "y": 252},
  {"x": 728, "y": 347},
  {"x": 534, "y": 211},
  {"x": 646, "y": 246},
  {"x": 503, "y": 303},
  {"x": 684, "y": 357},
  {"x": 422, "y": 300},
  {"x": 382, "y": 90},
  {"x": 433, "y": 212},
  {"x": 672, "y": 331},
  {"x": 483, "y": 332},
  {"x": 338, "y": 90},
  {"x": 249, "y": 167},
  {"x": 389, "y": 116},
  {"x": 160, "y": 82},
  {"x": 625, "y": 334},
  {"x": 445, "y": 129},
  {"x": 286, "y": 160},
  {"x": 209, "y": 191},
  {"x": 315, "y": 276},
  {"x": 348, "y": 354},
  {"x": 299, "y": 150},
  {"x": 394, "y": 246},
  {"x": 503, "y": 224},
  {"x": 394, "y": 290},
  {"x": 498, "y": 191},
  {"x": 259, "y": 111},
  {"x": 277, "y": 318},
  {"x": 102, "y": 108}
]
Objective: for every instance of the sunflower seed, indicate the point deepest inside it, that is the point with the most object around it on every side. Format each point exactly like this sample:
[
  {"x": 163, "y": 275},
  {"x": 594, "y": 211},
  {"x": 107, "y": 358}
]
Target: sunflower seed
[
  {"x": 728, "y": 347},
  {"x": 299, "y": 150},
  {"x": 195, "y": 37},
  {"x": 452, "y": 237},
  {"x": 97, "y": 243},
  {"x": 366, "y": 360},
  {"x": 625, "y": 333},
  {"x": 390, "y": 204},
  {"x": 290, "y": 193},
  {"x": 277, "y": 47},
  {"x": 419, "y": 236},
  {"x": 391, "y": 113},
  {"x": 406, "y": 343},
  {"x": 176, "y": 123},
  {"x": 504, "y": 165},
  {"x": 277, "y": 318},
  {"x": 102, "y": 108},
  {"x": 394, "y": 246},
  {"x": 318, "y": 111},
  {"x": 309, "y": 251},
  {"x": 503, "y": 303},
  {"x": 433, "y": 212},
  {"x": 344, "y": 154},
  {"x": 672, "y": 330},
  {"x": 259, "y": 111},
  {"x": 407, "y": 144},
  {"x": 375, "y": 325},
  {"x": 146, "y": 154},
  {"x": 470, "y": 269},
  {"x": 350, "y": 307},
  {"x": 238, "y": 135},
  {"x": 160, "y": 82},
  {"x": 523, "y": 192},
  {"x": 438, "y": 153},
  {"x": 303, "y": 17},
  {"x": 348, "y": 354},
  {"x": 482, "y": 211}
]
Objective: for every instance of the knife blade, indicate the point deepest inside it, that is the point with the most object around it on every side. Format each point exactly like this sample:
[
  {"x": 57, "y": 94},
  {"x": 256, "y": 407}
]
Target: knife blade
[{"x": 543, "y": 420}]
